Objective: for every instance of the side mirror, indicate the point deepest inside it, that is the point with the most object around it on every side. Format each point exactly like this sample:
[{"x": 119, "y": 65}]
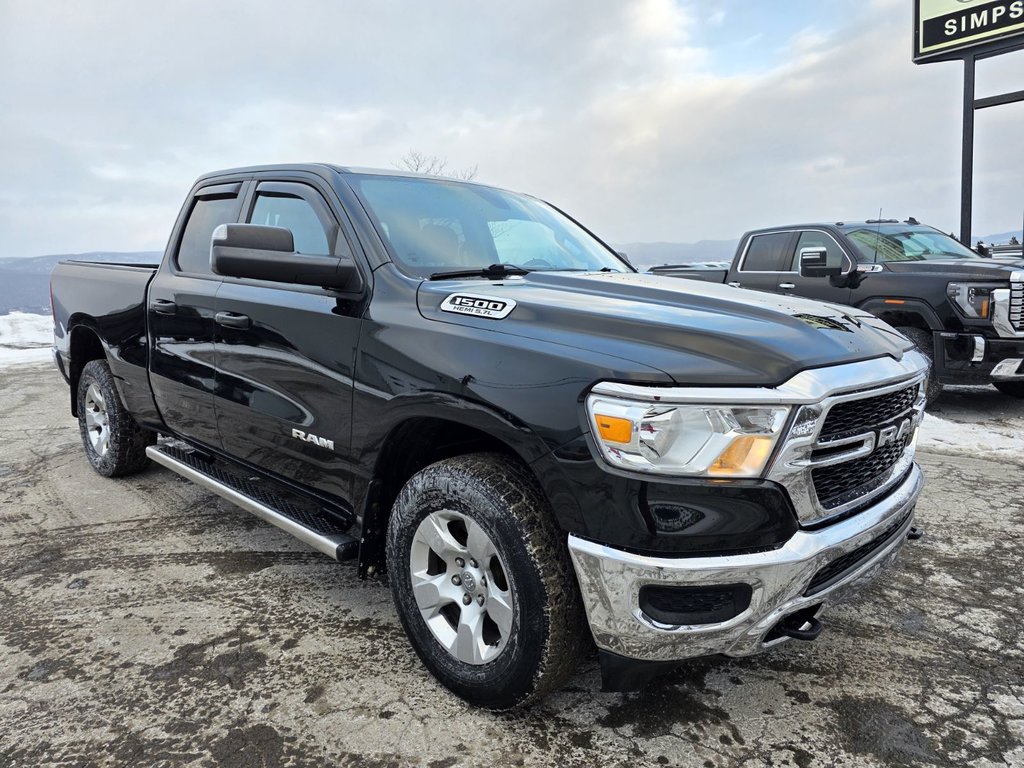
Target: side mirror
[
  {"x": 814, "y": 263},
  {"x": 268, "y": 253},
  {"x": 625, "y": 257}
]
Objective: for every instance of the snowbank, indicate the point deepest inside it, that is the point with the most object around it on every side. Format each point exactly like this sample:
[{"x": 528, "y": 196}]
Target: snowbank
[
  {"x": 986, "y": 439},
  {"x": 25, "y": 338}
]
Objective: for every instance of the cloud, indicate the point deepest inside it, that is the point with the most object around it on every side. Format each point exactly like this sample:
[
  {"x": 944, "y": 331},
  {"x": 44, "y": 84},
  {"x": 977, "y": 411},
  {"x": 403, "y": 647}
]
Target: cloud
[{"x": 616, "y": 114}]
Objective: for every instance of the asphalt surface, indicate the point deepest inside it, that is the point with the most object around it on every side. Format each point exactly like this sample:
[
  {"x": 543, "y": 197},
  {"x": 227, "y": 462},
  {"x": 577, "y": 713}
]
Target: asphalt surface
[{"x": 145, "y": 622}]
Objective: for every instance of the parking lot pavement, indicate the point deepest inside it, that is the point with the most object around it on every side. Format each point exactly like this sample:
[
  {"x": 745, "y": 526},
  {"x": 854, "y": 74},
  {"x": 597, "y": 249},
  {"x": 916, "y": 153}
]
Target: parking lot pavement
[{"x": 143, "y": 621}]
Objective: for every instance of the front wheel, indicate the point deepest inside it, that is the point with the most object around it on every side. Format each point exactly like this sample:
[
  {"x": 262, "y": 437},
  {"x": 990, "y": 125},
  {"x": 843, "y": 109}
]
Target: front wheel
[
  {"x": 114, "y": 444},
  {"x": 482, "y": 581},
  {"x": 923, "y": 341},
  {"x": 1011, "y": 388}
]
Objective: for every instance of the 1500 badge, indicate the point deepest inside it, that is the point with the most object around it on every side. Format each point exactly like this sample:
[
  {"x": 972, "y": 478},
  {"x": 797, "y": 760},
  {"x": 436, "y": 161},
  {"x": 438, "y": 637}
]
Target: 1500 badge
[{"x": 480, "y": 306}]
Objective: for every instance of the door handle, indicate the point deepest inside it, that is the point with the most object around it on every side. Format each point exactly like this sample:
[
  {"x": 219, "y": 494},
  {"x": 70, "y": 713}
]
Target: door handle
[
  {"x": 164, "y": 307},
  {"x": 232, "y": 320},
  {"x": 787, "y": 286},
  {"x": 735, "y": 284}
]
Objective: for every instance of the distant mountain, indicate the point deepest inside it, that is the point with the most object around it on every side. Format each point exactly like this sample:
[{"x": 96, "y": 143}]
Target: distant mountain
[
  {"x": 1000, "y": 238},
  {"x": 25, "y": 281}
]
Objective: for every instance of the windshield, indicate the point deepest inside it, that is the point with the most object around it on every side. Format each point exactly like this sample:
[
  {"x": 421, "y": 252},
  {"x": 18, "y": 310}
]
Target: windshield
[
  {"x": 904, "y": 242},
  {"x": 432, "y": 226}
]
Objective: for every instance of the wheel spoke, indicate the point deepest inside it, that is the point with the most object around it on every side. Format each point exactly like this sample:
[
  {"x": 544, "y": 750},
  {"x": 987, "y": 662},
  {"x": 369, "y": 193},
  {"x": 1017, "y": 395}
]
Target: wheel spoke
[
  {"x": 432, "y": 592},
  {"x": 469, "y": 640},
  {"x": 435, "y": 534},
  {"x": 499, "y": 608},
  {"x": 101, "y": 443},
  {"x": 478, "y": 542}
]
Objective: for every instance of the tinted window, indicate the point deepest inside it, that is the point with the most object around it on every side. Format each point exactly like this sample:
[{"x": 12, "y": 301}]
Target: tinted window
[
  {"x": 834, "y": 256},
  {"x": 208, "y": 213},
  {"x": 765, "y": 252},
  {"x": 295, "y": 214}
]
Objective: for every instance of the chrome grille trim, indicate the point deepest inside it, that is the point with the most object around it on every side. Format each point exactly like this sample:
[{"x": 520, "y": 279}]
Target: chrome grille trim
[
  {"x": 1008, "y": 308},
  {"x": 796, "y": 461}
]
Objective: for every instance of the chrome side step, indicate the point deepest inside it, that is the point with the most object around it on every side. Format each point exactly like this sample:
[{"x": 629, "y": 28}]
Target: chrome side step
[{"x": 302, "y": 518}]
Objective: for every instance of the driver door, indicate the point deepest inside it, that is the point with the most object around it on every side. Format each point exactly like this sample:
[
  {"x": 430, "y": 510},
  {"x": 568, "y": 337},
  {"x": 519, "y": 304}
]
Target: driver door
[{"x": 791, "y": 283}]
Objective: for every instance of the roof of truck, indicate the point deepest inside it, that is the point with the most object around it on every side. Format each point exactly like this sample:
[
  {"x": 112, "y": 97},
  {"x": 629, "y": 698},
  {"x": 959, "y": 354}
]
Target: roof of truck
[{"x": 321, "y": 169}]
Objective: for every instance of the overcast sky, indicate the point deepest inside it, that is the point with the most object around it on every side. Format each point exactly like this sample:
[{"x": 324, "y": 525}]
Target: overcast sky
[{"x": 651, "y": 120}]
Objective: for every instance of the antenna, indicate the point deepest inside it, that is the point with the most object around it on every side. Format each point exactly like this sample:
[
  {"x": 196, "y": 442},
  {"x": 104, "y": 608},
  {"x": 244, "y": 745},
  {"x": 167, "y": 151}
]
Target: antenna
[{"x": 878, "y": 236}]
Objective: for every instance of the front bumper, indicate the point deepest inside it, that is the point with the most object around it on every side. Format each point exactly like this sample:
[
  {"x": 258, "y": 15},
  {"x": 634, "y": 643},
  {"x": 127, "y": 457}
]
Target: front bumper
[
  {"x": 966, "y": 358},
  {"x": 610, "y": 582}
]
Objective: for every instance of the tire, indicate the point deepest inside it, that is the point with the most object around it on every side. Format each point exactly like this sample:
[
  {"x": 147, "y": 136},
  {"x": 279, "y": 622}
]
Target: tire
[
  {"x": 527, "y": 636},
  {"x": 923, "y": 341},
  {"x": 1011, "y": 388},
  {"x": 114, "y": 444}
]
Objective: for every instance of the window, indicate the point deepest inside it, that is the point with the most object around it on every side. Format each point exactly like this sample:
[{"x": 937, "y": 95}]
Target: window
[
  {"x": 295, "y": 214},
  {"x": 833, "y": 257},
  {"x": 764, "y": 254},
  {"x": 434, "y": 226},
  {"x": 207, "y": 214},
  {"x": 905, "y": 242}
]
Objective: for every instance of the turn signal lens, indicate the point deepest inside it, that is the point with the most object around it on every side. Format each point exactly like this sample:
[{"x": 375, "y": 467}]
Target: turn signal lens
[
  {"x": 614, "y": 429},
  {"x": 744, "y": 456}
]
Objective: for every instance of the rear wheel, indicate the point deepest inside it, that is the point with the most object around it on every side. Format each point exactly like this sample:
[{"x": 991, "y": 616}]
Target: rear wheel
[
  {"x": 1011, "y": 388},
  {"x": 482, "y": 581},
  {"x": 114, "y": 444},
  {"x": 923, "y": 341}
]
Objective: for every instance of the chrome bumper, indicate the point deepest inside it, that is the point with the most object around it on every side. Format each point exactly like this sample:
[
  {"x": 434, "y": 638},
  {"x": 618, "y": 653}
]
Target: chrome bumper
[{"x": 610, "y": 582}]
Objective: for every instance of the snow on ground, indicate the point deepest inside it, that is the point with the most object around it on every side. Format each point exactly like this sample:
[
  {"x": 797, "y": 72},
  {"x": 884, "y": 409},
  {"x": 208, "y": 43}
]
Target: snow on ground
[
  {"x": 25, "y": 338},
  {"x": 983, "y": 438}
]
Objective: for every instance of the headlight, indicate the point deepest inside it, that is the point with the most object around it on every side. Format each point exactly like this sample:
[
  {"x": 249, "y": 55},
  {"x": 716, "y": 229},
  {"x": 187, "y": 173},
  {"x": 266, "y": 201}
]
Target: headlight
[
  {"x": 686, "y": 440},
  {"x": 972, "y": 299}
]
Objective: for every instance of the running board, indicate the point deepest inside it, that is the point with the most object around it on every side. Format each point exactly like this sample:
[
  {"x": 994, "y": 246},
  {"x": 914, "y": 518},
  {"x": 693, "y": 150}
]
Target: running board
[{"x": 302, "y": 518}]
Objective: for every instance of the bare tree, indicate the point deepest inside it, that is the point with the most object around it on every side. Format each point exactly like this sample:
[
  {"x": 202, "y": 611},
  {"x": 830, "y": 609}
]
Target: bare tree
[{"x": 433, "y": 165}]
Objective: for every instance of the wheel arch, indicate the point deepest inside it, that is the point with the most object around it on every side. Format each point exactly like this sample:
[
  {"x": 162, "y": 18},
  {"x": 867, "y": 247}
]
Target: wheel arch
[
  {"x": 911, "y": 313},
  {"x": 422, "y": 438},
  {"x": 85, "y": 345}
]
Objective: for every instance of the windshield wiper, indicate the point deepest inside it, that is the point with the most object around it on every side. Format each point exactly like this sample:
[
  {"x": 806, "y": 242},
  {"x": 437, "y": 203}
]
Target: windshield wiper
[{"x": 493, "y": 271}]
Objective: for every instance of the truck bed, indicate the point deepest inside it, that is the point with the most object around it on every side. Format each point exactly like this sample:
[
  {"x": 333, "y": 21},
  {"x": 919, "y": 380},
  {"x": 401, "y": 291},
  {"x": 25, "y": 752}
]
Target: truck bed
[{"x": 105, "y": 301}]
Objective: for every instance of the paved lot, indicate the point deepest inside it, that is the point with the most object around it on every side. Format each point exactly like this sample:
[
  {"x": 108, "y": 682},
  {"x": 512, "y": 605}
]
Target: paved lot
[{"x": 144, "y": 622}]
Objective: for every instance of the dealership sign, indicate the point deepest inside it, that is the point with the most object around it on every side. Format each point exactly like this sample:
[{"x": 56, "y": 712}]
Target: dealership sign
[{"x": 942, "y": 27}]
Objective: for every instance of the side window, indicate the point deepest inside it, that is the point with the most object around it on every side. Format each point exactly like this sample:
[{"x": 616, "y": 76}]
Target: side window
[
  {"x": 295, "y": 214},
  {"x": 764, "y": 254},
  {"x": 834, "y": 257},
  {"x": 207, "y": 214}
]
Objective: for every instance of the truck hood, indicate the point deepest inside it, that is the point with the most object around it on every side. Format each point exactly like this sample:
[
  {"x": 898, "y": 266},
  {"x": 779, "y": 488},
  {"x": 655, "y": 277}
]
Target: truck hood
[
  {"x": 697, "y": 333},
  {"x": 958, "y": 269}
]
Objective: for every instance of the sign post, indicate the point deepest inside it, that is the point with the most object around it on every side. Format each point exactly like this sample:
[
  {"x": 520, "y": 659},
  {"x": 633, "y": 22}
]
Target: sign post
[{"x": 971, "y": 30}]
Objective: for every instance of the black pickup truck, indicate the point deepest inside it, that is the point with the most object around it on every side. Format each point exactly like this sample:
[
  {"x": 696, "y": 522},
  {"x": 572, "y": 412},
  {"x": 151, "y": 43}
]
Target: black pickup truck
[
  {"x": 965, "y": 312},
  {"x": 464, "y": 387}
]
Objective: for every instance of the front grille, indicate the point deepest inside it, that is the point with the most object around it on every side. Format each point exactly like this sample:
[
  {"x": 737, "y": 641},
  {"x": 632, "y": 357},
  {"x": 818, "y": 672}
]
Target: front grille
[
  {"x": 1017, "y": 306},
  {"x": 839, "y": 567},
  {"x": 856, "y": 416},
  {"x": 833, "y": 484}
]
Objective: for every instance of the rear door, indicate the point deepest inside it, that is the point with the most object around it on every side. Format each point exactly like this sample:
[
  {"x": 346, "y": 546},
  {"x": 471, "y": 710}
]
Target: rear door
[
  {"x": 761, "y": 263},
  {"x": 180, "y": 310},
  {"x": 285, "y": 353},
  {"x": 821, "y": 288}
]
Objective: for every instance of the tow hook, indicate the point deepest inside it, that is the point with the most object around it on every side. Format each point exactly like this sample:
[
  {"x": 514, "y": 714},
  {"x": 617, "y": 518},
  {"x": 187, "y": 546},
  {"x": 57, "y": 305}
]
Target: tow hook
[
  {"x": 801, "y": 625},
  {"x": 915, "y": 533}
]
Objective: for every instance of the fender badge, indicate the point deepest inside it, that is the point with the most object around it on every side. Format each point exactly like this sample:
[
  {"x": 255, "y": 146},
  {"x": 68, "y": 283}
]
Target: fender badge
[{"x": 480, "y": 306}]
